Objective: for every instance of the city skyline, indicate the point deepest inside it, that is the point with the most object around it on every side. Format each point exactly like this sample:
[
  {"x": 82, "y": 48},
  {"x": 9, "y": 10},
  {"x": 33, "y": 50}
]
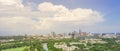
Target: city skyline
[{"x": 45, "y": 16}]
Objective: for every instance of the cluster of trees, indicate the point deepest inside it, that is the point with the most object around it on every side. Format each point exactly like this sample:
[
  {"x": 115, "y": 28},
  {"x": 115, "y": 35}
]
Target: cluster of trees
[
  {"x": 12, "y": 37},
  {"x": 110, "y": 46},
  {"x": 52, "y": 42},
  {"x": 12, "y": 44},
  {"x": 105, "y": 47},
  {"x": 80, "y": 47},
  {"x": 15, "y": 44},
  {"x": 0, "y": 47},
  {"x": 36, "y": 45},
  {"x": 26, "y": 49},
  {"x": 51, "y": 46}
]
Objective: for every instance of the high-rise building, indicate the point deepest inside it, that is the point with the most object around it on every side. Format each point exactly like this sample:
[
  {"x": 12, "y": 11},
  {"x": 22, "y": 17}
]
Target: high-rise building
[
  {"x": 25, "y": 35},
  {"x": 75, "y": 34},
  {"x": 83, "y": 34},
  {"x": 80, "y": 31},
  {"x": 115, "y": 33},
  {"x": 52, "y": 34},
  {"x": 100, "y": 34}
]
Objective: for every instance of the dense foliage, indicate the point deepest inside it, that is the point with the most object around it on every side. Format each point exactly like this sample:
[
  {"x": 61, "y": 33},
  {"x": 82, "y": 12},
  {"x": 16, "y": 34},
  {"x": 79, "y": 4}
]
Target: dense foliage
[{"x": 36, "y": 44}]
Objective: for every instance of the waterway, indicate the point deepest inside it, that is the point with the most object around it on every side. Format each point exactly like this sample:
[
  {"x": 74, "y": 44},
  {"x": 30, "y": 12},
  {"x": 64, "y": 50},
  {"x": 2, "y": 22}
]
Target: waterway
[{"x": 45, "y": 46}]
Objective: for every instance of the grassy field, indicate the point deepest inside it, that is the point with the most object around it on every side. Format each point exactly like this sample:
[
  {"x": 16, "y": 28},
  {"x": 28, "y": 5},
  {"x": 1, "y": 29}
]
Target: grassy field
[{"x": 15, "y": 49}]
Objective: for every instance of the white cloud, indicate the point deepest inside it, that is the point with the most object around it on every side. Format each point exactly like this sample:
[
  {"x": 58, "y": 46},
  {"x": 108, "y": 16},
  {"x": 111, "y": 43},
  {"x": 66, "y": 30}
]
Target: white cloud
[
  {"x": 16, "y": 23},
  {"x": 75, "y": 17},
  {"x": 50, "y": 17},
  {"x": 16, "y": 3}
]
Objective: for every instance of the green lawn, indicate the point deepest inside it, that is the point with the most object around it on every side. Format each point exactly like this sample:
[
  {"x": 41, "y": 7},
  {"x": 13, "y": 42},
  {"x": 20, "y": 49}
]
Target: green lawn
[{"x": 15, "y": 49}]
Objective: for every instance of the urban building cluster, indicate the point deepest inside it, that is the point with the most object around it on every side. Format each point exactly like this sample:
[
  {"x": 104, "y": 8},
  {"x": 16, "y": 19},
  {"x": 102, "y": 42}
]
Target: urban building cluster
[{"x": 74, "y": 35}]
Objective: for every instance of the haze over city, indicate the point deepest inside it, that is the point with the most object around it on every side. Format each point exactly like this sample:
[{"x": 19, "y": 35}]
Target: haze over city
[{"x": 19, "y": 17}]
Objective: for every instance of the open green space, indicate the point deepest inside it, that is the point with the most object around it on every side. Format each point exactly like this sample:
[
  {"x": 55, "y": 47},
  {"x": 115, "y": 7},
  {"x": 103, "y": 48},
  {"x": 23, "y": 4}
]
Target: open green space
[{"x": 15, "y": 49}]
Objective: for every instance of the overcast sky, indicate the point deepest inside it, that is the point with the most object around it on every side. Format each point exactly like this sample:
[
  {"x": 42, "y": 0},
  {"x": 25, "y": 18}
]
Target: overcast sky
[{"x": 19, "y": 17}]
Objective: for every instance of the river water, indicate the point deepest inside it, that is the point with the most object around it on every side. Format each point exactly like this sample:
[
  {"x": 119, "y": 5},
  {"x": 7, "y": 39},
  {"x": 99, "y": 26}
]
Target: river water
[{"x": 45, "y": 46}]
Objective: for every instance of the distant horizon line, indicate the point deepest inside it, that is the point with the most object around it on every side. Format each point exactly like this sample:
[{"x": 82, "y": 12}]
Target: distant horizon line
[{"x": 57, "y": 33}]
